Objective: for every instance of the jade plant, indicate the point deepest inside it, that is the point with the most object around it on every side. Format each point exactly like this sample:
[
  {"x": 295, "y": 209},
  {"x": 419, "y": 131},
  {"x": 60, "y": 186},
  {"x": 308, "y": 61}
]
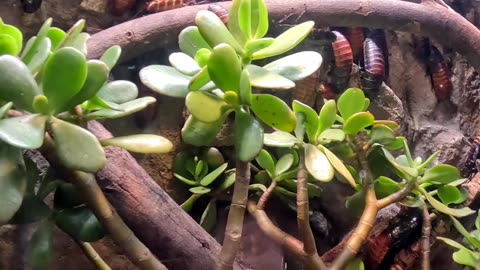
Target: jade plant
[
  {"x": 215, "y": 74},
  {"x": 49, "y": 90}
]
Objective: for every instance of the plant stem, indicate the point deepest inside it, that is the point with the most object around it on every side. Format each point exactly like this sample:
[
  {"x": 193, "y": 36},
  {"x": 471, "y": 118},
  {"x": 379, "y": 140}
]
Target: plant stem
[
  {"x": 266, "y": 195},
  {"x": 426, "y": 231},
  {"x": 312, "y": 260},
  {"x": 92, "y": 255},
  {"x": 87, "y": 185},
  {"x": 234, "y": 228},
  {"x": 282, "y": 238},
  {"x": 397, "y": 196}
]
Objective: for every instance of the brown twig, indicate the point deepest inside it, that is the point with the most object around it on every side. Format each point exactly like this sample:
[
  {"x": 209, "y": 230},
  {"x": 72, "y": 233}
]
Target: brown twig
[
  {"x": 234, "y": 228},
  {"x": 426, "y": 231},
  {"x": 266, "y": 195},
  {"x": 397, "y": 196}
]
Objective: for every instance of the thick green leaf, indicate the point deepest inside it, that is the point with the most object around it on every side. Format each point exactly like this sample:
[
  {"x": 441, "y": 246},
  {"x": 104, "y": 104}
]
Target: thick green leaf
[
  {"x": 234, "y": 22},
  {"x": 8, "y": 45},
  {"x": 209, "y": 216},
  {"x": 317, "y": 164},
  {"x": 397, "y": 144},
  {"x": 67, "y": 196},
  {"x": 185, "y": 180},
  {"x": 199, "y": 168},
  {"x": 63, "y": 76},
  {"x": 141, "y": 143},
  {"x": 214, "y": 31},
  {"x": 385, "y": 186},
  {"x": 327, "y": 116},
  {"x": 441, "y": 174},
  {"x": 225, "y": 68},
  {"x": 286, "y": 41},
  {"x": 40, "y": 248},
  {"x": 190, "y": 41},
  {"x": 358, "y": 122},
  {"x": 200, "y": 190},
  {"x": 245, "y": 89},
  {"x": 23, "y": 131},
  {"x": 212, "y": 176},
  {"x": 13, "y": 181},
  {"x": 338, "y": 165},
  {"x": 381, "y": 134},
  {"x": 310, "y": 120},
  {"x": 165, "y": 80},
  {"x": 200, "y": 80},
  {"x": 42, "y": 52},
  {"x": 229, "y": 181},
  {"x": 198, "y": 133},
  {"x": 95, "y": 103},
  {"x": 279, "y": 139},
  {"x": 205, "y": 107},
  {"x": 188, "y": 204},
  {"x": 260, "y": 14},
  {"x": 202, "y": 56},
  {"x": 111, "y": 56},
  {"x": 263, "y": 78},
  {"x": 31, "y": 49},
  {"x": 356, "y": 203},
  {"x": 451, "y": 243},
  {"x": 296, "y": 66},
  {"x": 273, "y": 111},
  {"x": 456, "y": 212},
  {"x": 123, "y": 109},
  {"x": 118, "y": 91},
  {"x": 80, "y": 43},
  {"x": 33, "y": 209},
  {"x": 56, "y": 36},
  {"x": 80, "y": 223},
  {"x": 72, "y": 33},
  {"x": 265, "y": 160},
  {"x": 465, "y": 257},
  {"x": 213, "y": 157},
  {"x": 248, "y": 136},
  {"x": 355, "y": 264},
  {"x": 255, "y": 45},
  {"x": 330, "y": 135},
  {"x": 284, "y": 164},
  {"x": 391, "y": 124},
  {"x": 449, "y": 195},
  {"x": 96, "y": 77},
  {"x": 351, "y": 102},
  {"x": 468, "y": 236},
  {"x": 16, "y": 36},
  {"x": 18, "y": 84},
  {"x": 402, "y": 171},
  {"x": 184, "y": 63},
  {"x": 5, "y": 108},
  {"x": 245, "y": 18},
  {"x": 77, "y": 148}
]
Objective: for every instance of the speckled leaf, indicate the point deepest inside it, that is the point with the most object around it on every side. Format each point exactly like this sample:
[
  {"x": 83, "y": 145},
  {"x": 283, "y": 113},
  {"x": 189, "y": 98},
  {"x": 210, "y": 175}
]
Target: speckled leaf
[
  {"x": 358, "y": 122},
  {"x": 165, "y": 80},
  {"x": 248, "y": 136},
  {"x": 263, "y": 78},
  {"x": 317, "y": 164},
  {"x": 80, "y": 223},
  {"x": 225, "y": 68},
  {"x": 214, "y": 31},
  {"x": 296, "y": 66},
  {"x": 119, "y": 91},
  {"x": 273, "y": 111},
  {"x": 330, "y": 135},
  {"x": 18, "y": 84},
  {"x": 310, "y": 120},
  {"x": 111, "y": 56},
  {"x": 77, "y": 148},
  {"x": 184, "y": 63},
  {"x": 141, "y": 143},
  {"x": 351, "y": 102},
  {"x": 24, "y": 131},
  {"x": 190, "y": 41}
]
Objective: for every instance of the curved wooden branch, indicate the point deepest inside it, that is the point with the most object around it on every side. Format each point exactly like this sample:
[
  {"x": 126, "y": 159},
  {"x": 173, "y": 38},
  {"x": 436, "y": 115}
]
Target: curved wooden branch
[{"x": 432, "y": 20}]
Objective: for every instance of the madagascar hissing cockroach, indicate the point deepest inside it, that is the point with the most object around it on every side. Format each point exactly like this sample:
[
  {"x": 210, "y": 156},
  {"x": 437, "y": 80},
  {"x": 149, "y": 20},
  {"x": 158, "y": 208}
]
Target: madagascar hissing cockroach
[
  {"x": 220, "y": 11},
  {"x": 342, "y": 52},
  {"x": 163, "y": 5},
  {"x": 305, "y": 90},
  {"x": 30, "y": 6},
  {"x": 374, "y": 66},
  {"x": 356, "y": 36},
  {"x": 442, "y": 86},
  {"x": 471, "y": 164}
]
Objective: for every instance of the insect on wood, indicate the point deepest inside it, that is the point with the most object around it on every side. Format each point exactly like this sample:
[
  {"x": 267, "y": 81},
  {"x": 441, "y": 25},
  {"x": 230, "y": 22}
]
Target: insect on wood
[
  {"x": 442, "y": 86},
  {"x": 343, "y": 55},
  {"x": 220, "y": 11},
  {"x": 374, "y": 66},
  {"x": 163, "y": 5}
]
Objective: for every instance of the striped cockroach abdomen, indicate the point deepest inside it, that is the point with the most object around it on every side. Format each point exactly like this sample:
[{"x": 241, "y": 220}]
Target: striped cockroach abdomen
[
  {"x": 442, "y": 86},
  {"x": 356, "y": 36},
  {"x": 220, "y": 11},
  {"x": 374, "y": 66},
  {"x": 343, "y": 55},
  {"x": 163, "y": 5}
]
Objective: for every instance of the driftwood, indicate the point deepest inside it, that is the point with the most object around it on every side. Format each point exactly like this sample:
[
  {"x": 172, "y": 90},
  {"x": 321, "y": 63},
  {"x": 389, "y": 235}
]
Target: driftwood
[
  {"x": 426, "y": 18},
  {"x": 156, "y": 219}
]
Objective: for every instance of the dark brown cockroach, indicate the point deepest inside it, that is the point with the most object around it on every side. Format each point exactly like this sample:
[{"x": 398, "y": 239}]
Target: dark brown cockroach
[
  {"x": 374, "y": 67},
  {"x": 442, "y": 86},
  {"x": 220, "y": 11},
  {"x": 30, "y": 6},
  {"x": 305, "y": 90},
  {"x": 163, "y": 5},
  {"x": 356, "y": 36},
  {"x": 471, "y": 165},
  {"x": 342, "y": 52}
]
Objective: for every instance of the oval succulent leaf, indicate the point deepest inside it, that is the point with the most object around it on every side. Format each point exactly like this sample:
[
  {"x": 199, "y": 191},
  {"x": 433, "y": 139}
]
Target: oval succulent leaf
[
  {"x": 357, "y": 122},
  {"x": 212, "y": 176},
  {"x": 73, "y": 33},
  {"x": 190, "y": 41},
  {"x": 200, "y": 80},
  {"x": 248, "y": 136},
  {"x": 80, "y": 43},
  {"x": 310, "y": 119},
  {"x": 13, "y": 181},
  {"x": 381, "y": 134},
  {"x": 141, "y": 143},
  {"x": 63, "y": 76},
  {"x": 200, "y": 190},
  {"x": 31, "y": 51},
  {"x": 111, "y": 56},
  {"x": 284, "y": 164},
  {"x": 265, "y": 160},
  {"x": 260, "y": 15},
  {"x": 118, "y": 91},
  {"x": 5, "y": 108},
  {"x": 202, "y": 56},
  {"x": 24, "y": 131},
  {"x": 245, "y": 91},
  {"x": 286, "y": 41},
  {"x": 214, "y": 31},
  {"x": 42, "y": 53},
  {"x": 245, "y": 18},
  {"x": 80, "y": 223},
  {"x": 317, "y": 164},
  {"x": 455, "y": 212},
  {"x": 466, "y": 257},
  {"x": 18, "y": 84},
  {"x": 441, "y": 174},
  {"x": 351, "y": 102},
  {"x": 450, "y": 195},
  {"x": 338, "y": 165},
  {"x": 273, "y": 111},
  {"x": 15, "y": 34},
  {"x": 385, "y": 186},
  {"x": 355, "y": 264},
  {"x": 198, "y": 133},
  {"x": 77, "y": 148},
  {"x": 56, "y": 36},
  {"x": 225, "y": 68},
  {"x": 255, "y": 45},
  {"x": 263, "y": 78},
  {"x": 391, "y": 124},
  {"x": 205, "y": 107},
  {"x": 184, "y": 63},
  {"x": 165, "y": 80},
  {"x": 234, "y": 22},
  {"x": 122, "y": 110},
  {"x": 330, "y": 135},
  {"x": 279, "y": 139},
  {"x": 296, "y": 66},
  {"x": 327, "y": 116},
  {"x": 8, "y": 45}
]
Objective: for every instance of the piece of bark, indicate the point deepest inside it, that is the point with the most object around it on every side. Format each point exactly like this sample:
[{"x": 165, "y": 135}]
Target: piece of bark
[{"x": 156, "y": 219}]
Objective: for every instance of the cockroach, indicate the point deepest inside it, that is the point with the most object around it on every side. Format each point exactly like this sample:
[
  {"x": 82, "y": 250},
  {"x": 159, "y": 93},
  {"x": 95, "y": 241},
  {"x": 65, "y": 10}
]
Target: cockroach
[
  {"x": 471, "y": 164},
  {"x": 31, "y": 6},
  {"x": 305, "y": 90},
  {"x": 356, "y": 36},
  {"x": 163, "y": 5},
  {"x": 220, "y": 11},
  {"x": 442, "y": 86},
  {"x": 374, "y": 66},
  {"x": 325, "y": 91},
  {"x": 119, "y": 7},
  {"x": 324, "y": 36},
  {"x": 342, "y": 52}
]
